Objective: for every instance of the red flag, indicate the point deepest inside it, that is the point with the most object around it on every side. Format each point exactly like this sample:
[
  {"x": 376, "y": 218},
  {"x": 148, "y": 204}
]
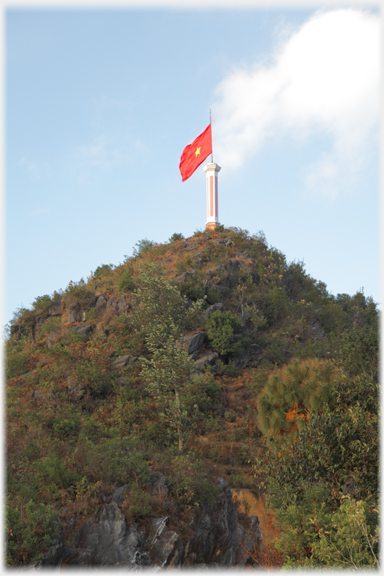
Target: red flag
[{"x": 194, "y": 154}]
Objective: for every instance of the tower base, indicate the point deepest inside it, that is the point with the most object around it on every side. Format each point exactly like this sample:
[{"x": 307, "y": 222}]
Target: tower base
[{"x": 211, "y": 225}]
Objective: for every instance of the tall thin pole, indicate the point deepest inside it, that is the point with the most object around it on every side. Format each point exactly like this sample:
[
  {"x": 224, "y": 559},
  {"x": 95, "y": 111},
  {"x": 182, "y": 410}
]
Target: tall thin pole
[{"x": 210, "y": 122}]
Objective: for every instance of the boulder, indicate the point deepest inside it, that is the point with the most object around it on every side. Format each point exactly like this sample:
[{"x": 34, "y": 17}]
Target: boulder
[
  {"x": 121, "y": 362},
  {"x": 54, "y": 309},
  {"x": 249, "y": 356},
  {"x": 120, "y": 493},
  {"x": 101, "y": 301},
  {"x": 192, "y": 343},
  {"x": 39, "y": 321},
  {"x": 55, "y": 336},
  {"x": 74, "y": 312},
  {"x": 218, "y": 306},
  {"x": 84, "y": 330},
  {"x": 187, "y": 275},
  {"x": 77, "y": 389},
  {"x": 208, "y": 359}
]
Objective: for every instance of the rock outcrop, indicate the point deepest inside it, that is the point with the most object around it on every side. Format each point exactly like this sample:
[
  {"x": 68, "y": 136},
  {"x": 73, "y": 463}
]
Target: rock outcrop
[{"x": 217, "y": 538}]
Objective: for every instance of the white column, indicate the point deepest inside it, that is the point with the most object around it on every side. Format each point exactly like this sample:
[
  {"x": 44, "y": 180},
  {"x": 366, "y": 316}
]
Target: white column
[{"x": 212, "y": 171}]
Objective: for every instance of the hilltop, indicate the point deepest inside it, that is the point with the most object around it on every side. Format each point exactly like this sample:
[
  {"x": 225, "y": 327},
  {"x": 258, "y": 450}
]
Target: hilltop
[{"x": 139, "y": 398}]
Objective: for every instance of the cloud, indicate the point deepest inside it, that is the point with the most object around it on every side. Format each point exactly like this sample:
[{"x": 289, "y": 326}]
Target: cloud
[{"x": 323, "y": 79}]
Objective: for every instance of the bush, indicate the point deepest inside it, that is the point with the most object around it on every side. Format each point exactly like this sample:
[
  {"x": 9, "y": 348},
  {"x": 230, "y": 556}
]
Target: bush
[
  {"x": 103, "y": 270},
  {"x": 360, "y": 350},
  {"x": 137, "y": 504},
  {"x": 274, "y": 304},
  {"x": 28, "y": 534},
  {"x": 113, "y": 461},
  {"x": 78, "y": 291},
  {"x": 51, "y": 325},
  {"x": 16, "y": 358},
  {"x": 176, "y": 237},
  {"x": 143, "y": 246},
  {"x": 42, "y": 302},
  {"x": 126, "y": 282},
  {"x": 221, "y": 329},
  {"x": 294, "y": 391},
  {"x": 95, "y": 378}
]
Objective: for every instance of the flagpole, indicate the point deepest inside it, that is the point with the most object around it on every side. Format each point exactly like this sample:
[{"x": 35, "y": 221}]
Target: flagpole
[{"x": 210, "y": 122}]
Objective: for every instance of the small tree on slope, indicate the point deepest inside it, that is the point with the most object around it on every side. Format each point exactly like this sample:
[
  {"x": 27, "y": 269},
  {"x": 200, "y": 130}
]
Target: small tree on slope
[{"x": 162, "y": 315}]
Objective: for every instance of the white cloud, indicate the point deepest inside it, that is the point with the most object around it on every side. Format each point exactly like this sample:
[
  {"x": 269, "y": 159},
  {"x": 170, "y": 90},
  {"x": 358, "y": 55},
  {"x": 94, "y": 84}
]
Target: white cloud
[{"x": 324, "y": 79}]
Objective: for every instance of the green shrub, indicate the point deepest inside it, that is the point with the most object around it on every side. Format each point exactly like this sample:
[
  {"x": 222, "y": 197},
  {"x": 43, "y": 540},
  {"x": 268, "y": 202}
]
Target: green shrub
[
  {"x": 191, "y": 289},
  {"x": 28, "y": 533},
  {"x": 113, "y": 460},
  {"x": 221, "y": 328},
  {"x": 52, "y": 475},
  {"x": 360, "y": 350},
  {"x": 42, "y": 302},
  {"x": 189, "y": 483},
  {"x": 103, "y": 270},
  {"x": 274, "y": 304},
  {"x": 16, "y": 358},
  {"x": 203, "y": 393},
  {"x": 137, "y": 504},
  {"x": 126, "y": 282},
  {"x": 51, "y": 325},
  {"x": 78, "y": 291},
  {"x": 65, "y": 427},
  {"x": 176, "y": 237},
  {"x": 95, "y": 378},
  {"x": 143, "y": 246},
  {"x": 274, "y": 350}
]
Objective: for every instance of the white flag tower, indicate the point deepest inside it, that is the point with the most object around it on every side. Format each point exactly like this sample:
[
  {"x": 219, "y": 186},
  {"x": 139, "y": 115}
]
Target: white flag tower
[{"x": 212, "y": 171}]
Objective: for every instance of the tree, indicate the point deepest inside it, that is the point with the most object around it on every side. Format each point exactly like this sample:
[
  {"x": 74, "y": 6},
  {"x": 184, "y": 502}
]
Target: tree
[
  {"x": 162, "y": 315},
  {"x": 308, "y": 474},
  {"x": 293, "y": 392}
]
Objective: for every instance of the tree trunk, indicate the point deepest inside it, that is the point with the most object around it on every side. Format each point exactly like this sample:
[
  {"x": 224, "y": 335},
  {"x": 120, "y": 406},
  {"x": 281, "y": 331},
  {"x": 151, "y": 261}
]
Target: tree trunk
[{"x": 179, "y": 431}]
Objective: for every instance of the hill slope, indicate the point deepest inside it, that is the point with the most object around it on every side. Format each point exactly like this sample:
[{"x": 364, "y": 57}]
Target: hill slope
[{"x": 91, "y": 407}]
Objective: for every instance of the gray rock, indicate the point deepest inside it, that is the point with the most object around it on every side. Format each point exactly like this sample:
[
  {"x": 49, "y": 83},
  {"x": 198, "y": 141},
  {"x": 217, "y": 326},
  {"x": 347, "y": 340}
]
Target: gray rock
[
  {"x": 56, "y": 336},
  {"x": 77, "y": 389},
  {"x": 101, "y": 301},
  {"x": 84, "y": 330},
  {"x": 120, "y": 493},
  {"x": 158, "y": 483},
  {"x": 163, "y": 543},
  {"x": 208, "y": 359},
  {"x": 187, "y": 275},
  {"x": 107, "y": 540},
  {"x": 74, "y": 312},
  {"x": 192, "y": 343},
  {"x": 39, "y": 321},
  {"x": 218, "y": 306},
  {"x": 249, "y": 356},
  {"x": 55, "y": 308},
  {"x": 121, "y": 362},
  {"x": 217, "y": 538}
]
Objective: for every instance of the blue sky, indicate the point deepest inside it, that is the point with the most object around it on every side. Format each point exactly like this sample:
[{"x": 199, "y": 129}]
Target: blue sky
[{"x": 101, "y": 103}]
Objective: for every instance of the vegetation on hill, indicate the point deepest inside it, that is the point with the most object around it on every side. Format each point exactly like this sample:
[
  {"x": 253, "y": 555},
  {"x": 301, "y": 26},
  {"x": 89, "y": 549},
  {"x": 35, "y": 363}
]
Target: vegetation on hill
[{"x": 198, "y": 358}]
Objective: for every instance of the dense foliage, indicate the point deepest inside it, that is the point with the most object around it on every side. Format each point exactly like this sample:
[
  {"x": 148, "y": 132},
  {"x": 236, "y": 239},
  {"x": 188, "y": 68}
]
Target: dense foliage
[{"x": 102, "y": 392}]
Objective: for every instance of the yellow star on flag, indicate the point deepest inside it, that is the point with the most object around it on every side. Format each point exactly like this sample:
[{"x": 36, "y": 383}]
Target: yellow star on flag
[{"x": 197, "y": 152}]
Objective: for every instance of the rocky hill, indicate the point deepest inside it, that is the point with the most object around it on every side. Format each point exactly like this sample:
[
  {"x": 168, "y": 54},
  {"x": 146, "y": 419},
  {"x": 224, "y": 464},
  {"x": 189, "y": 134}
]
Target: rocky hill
[{"x": 145, "y": 404}]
